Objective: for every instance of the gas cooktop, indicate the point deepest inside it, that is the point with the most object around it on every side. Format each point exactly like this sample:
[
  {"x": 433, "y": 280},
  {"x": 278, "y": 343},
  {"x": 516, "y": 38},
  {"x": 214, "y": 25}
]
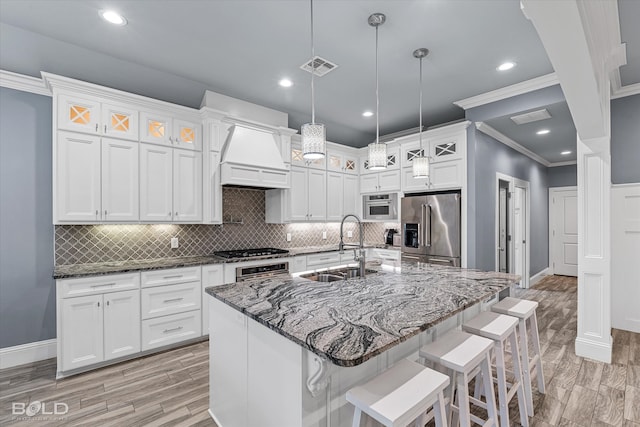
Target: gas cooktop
[{"x": 249, "y": 253}]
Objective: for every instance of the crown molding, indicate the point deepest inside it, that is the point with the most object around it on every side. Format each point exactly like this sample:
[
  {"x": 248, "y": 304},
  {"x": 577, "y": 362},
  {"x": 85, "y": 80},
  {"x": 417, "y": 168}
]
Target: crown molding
[
  {"x": 557, "y": 164},
  {"x": 499, "y": 136},
  {"x": 24, "y": 83},
  {"x": 509, "y": 91},
  {"x": 628, "y": 90}
]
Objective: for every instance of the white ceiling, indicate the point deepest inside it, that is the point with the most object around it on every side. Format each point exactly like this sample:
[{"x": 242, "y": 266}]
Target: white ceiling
[{"x": 174, "y": 50}]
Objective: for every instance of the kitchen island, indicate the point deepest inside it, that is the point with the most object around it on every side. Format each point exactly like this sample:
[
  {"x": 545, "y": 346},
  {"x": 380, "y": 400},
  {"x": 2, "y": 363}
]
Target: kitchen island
[{"x": 284, "y": 350}]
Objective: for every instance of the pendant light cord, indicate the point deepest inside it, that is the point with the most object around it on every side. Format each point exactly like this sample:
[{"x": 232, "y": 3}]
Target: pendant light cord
[
  {"x": 377, "y": 94},
  {"x": 313, "y": 71},
  {"x": 421, "y": 149}
]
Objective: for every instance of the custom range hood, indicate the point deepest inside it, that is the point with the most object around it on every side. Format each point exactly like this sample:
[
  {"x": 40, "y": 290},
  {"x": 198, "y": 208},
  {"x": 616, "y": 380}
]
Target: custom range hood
[{"x": 251, "y": 158}]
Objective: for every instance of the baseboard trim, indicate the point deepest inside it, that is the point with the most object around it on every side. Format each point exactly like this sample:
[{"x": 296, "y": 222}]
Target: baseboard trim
[
  {"x": 27, "y": 353},
  {"x": 594, "y": 349},
  {"x": 538, "y": 276}
]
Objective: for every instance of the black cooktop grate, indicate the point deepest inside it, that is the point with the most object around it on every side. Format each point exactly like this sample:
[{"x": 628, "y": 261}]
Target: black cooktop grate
[{"x": 248, "y": 253}]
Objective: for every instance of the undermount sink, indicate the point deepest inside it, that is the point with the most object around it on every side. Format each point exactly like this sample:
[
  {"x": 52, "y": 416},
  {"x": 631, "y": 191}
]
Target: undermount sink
[{"x": 335, "y": 275}]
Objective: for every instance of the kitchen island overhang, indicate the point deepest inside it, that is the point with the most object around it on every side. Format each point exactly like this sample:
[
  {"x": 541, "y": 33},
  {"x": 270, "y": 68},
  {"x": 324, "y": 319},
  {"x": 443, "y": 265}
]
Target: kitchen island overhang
[{"x": 284, "y": 350}]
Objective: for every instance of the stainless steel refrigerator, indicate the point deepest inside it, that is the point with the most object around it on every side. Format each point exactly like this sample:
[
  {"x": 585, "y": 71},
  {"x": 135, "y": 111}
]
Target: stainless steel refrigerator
[{"x": 431, "y": 228}]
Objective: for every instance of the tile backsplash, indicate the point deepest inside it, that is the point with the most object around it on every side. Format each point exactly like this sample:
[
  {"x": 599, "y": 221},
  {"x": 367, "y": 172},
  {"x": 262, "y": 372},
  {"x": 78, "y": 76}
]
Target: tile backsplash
[{"x": 78, "y": 244}]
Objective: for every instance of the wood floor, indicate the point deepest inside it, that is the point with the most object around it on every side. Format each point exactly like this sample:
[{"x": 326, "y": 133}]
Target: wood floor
[{"x": 171, "y": 388}]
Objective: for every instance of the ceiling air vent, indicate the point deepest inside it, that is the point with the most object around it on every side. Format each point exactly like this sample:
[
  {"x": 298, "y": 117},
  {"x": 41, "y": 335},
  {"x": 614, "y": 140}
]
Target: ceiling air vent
[
  {"x": 321, "y": 65},
  {"x": 532, "y": 116}
]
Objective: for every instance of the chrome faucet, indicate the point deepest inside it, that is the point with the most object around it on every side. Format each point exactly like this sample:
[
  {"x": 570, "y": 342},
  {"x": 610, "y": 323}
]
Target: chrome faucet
[{"x": 360, "y": 254}]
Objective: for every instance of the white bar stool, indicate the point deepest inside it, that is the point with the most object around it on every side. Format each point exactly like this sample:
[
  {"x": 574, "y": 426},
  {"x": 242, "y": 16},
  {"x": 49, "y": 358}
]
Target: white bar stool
[
  {"x": 501, "y": 328},
  {"x": 466, "y": 355},
  {"x": 401, "y": 394},
  {"x": 525, "y": 311}
]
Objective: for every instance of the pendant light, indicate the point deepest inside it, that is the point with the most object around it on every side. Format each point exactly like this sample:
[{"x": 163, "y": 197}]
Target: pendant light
[
  {"x": 421, "y": 162},
  {"x": 313, "y": 134},
  {"x": 377, "y": 151}
]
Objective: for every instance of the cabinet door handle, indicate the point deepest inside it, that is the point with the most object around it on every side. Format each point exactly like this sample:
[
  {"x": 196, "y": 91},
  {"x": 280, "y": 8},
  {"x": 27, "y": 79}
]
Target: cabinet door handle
[
  {"x": 169, "y": 214},
  {"x": 98, "y": 303},
  {"x": 105, "y": 213},
  {"x": 105, "y": 128},
  {"x": 175, "y": 276},
  {"x": 107, "y": 302},
  {"x": 176, "y": 213},
  {"x": 103, "y": 285},
  {"x": 97, "y": 213},
  {"x": 172, "y": 300},
  {"x": 96, "y": 127},
  {"x": 166, "y": 331}
]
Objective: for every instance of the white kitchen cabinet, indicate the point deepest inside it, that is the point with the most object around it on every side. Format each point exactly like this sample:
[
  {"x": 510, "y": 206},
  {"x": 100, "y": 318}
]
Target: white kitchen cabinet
[
  {"x": 165, "y": 330},
  {"x": 306, "y": 200},
  {"x": 342, "y": 162},
  {"x": 121, "y": 324},
  {"x": 385, "y": 181},
  {"x": 298, "y": 160},
  {"x": 447, "y": 174},
  {"x": 393, "y": 160},
  {"x": 317, "y": 195},
  {"x": 161, "y": 128},
  {"x": 298, "y": 194},
  {"x": 409, "y": 183},
  {"x": 351, "y": 195},
  {"x": 170, "y": 184},
  {"x": 323, "y": 260},
  {"x": 119, "y": 180},
  {"x": 187, "y": 186},
  {"x": 447, "y": 147},
  {"x": 99, "y": 327},
  {"x": 82, "y": 332},
  {"x": 176, "y": 298},
  {"x": 335, "y": 192},
  {"x": 298, "y": 264},
  {"x": 212, "y": 275},
  {"x": 77, "y": 171},
  {"x": 156, "y": 183},
  {"x": 89, "y": 115}
]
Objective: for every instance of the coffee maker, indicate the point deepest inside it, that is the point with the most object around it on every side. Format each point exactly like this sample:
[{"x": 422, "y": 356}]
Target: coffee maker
[{"x": 388, "y": 235}]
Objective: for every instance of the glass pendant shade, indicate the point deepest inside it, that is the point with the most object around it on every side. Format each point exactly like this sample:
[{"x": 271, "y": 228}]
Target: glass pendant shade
[
  {"x": 420, "y": 167},
  {"x": 313, "y": 141},
  {"x": 377, "y": 156}
]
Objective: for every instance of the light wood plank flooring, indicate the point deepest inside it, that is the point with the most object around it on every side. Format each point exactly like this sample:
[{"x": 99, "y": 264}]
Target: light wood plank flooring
[{"x": 171, "y": 388}]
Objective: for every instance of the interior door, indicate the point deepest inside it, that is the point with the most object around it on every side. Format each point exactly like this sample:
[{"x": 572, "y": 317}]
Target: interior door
[
  {"x": 519, "y": 233},
  {"x": 564, "y": 232}
]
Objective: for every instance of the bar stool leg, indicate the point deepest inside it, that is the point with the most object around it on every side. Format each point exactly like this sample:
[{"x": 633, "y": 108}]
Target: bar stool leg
[
  {"x": 502, "y": 384},
  {"x": 356, "y": 417},
  {"x": 439, "y": 412},
  {"x": 524, "y": 357},
  {"x": 517, "y": 371},
  {"x": 487, "y": 380},
  {"x": 533, "y": 325},
  {"x": 453, "y": 415},
  {"x": 463, "y": 400}
]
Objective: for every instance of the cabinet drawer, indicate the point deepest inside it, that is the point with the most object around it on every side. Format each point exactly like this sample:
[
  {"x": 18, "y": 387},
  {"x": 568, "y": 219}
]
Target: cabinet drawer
[
  {"x": 385, "y": 254},
  {"x": 323, "y": 260},
  {"x": 170, "y": 299},
  {"x": 68, "y": 288},
  {"x": 171, "y": 276},
  {"x": 170, "y": 329}
]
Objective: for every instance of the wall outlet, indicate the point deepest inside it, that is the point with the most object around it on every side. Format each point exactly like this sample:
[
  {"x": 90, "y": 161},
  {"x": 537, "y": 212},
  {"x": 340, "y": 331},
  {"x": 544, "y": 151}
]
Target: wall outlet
[
  {"x": 174, "y": 243},
  {"x": 288, "y": 237},
  {"x": 324, "y": 235},
  {"x": 349, "y": 233}
]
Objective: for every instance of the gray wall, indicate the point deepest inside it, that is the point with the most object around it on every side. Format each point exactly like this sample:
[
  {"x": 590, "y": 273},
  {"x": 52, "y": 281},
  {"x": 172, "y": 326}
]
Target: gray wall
[
  {"x": 625, "y": 139},
  {"x": 492, "y": 156},
  {"x": 27, "y": 290},
  {"x": 563, "y": 176}
]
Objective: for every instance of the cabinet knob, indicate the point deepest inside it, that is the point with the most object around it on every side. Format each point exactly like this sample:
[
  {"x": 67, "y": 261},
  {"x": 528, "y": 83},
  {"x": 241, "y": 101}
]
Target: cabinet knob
[
  {"x": 176, "y": 213},
  {"x": 98, "y": 303},
  {"x": 171, "y": 139},
  {"x": 96, "y": 127},
  {"x": 169, "y": 214},
  {"x": 107, "y": 302},
  {"x": 105, "y": 128},
  {"x": 97, "y": 213},
  {"x": 105, "y": 212}
]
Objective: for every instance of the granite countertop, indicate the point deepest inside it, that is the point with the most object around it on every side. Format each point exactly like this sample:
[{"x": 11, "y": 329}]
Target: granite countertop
[
  {"x": 113, "y": 267},
  {"x": 348, "y": 322}
]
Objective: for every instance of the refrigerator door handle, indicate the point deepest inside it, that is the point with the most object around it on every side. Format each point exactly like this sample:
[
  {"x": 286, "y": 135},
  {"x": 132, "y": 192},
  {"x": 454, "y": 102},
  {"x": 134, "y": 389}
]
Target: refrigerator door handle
[{"x": 427, "y": 230}]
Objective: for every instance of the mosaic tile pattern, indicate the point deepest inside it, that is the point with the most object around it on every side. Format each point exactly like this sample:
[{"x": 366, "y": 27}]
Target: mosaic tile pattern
[{"x": 80, "y": 244}]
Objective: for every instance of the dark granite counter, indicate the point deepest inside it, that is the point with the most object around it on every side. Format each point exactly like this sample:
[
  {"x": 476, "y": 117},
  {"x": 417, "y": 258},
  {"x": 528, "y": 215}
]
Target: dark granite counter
[
  {"x": 348, "y": 322},
  {"x": 102, "y": 268}
]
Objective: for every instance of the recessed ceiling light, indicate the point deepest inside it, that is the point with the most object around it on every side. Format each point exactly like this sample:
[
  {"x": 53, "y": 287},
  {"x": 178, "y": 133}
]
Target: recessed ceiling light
[
  {"x": 113, "y": 17},
  {"x": 367, "y": 113},
  {"x": 543, "y": 132},
  {"x": 285, "y": 83},
  {"x": 506, "y": 66},
  {"x": 564, "y": 153}
]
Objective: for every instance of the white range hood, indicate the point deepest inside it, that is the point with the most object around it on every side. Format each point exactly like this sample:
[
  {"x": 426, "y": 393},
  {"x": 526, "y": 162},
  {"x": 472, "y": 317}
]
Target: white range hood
[{"x": 251, "y": 158}]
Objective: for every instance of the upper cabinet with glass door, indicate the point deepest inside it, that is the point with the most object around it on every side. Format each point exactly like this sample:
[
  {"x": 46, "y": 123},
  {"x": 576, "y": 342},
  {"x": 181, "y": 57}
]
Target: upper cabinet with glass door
[
  {"x": 342, "y": 162},
  {"x": 298, "y": 160},
  {"x": 446, "y": 148},
  {"x": 159, "y": 128},
  {"x": 94, "y": 117}
]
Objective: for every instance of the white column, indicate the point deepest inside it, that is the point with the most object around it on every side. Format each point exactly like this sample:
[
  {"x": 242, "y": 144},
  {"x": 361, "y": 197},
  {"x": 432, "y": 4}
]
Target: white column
[{"x": 594, "y": 249}]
